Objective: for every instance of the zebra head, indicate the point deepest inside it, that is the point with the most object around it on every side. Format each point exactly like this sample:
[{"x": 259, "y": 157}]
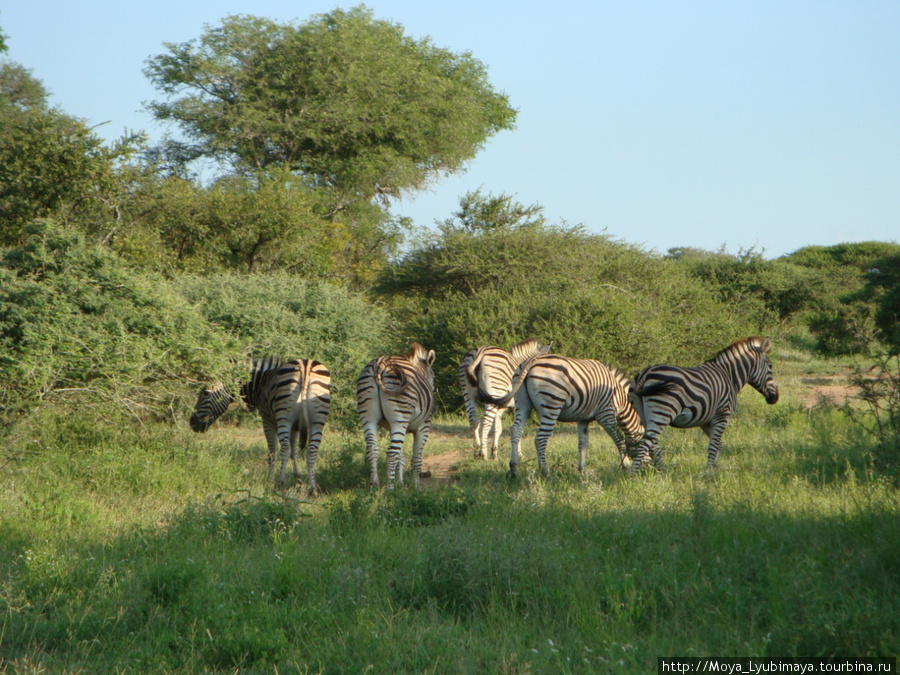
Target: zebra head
[
  {"x": 761, "y": 377},
  {"x": 211, "y": 403}
]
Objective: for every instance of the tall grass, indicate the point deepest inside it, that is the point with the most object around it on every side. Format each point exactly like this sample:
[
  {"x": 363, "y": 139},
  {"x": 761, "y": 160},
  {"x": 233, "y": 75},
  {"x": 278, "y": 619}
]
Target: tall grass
[{"x": 160, "y": 551}]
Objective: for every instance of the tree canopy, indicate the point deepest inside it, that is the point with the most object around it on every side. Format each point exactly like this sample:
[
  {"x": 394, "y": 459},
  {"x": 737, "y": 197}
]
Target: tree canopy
[{"x": 349, "y": 102}]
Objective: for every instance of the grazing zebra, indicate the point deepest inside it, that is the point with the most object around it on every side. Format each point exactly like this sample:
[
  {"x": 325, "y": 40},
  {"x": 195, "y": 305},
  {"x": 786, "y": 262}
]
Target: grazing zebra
[
  {"x": 488, "y": 371},
  {"x": 397, "y": 393},
  {"x": 293, "y": 399},
  {"x": 704, "y": 396},
  {"x": 571, "y": 390}
]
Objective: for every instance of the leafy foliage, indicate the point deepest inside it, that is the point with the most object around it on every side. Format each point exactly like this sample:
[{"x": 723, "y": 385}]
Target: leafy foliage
[
  {"x": 240, "y": 223},
  {"x": 287, "y": 316},
  {"x": 879, "y": 415},
  {"x": 773, "y": 290},
  {"x": 593, "y": 297},
  {"x": 78, "y": 325},
  {"x": 348, "y": 101},
  {"x": 855, "y": 309}
]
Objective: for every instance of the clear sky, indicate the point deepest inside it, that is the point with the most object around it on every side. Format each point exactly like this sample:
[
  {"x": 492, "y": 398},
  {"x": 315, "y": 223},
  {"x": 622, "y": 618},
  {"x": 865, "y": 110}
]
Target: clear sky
[{"x": 767, "y": 124}]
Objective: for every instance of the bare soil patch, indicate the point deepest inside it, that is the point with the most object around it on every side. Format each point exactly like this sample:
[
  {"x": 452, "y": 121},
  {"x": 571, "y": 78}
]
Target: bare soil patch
[
  {"x": 832, "y": 389},
  {"x": 441, "y": 469}
]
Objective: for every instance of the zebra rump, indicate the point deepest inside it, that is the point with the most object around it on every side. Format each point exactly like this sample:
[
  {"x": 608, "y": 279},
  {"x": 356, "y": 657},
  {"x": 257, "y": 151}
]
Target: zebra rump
[
  {"x": 397, "y": 393},
  {"x": 486, "y": 373}
]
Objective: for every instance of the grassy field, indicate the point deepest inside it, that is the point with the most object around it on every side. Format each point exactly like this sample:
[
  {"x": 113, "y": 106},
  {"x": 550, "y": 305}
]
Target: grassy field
[{"x": 158, "y": 551}]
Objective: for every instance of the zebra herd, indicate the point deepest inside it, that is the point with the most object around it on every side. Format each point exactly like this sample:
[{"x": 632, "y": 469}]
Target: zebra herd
[{"x": 397, "y": 393}]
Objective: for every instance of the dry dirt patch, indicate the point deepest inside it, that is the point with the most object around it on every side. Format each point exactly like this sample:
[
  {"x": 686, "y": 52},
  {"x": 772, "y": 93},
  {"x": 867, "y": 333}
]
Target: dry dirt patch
[
  {"x": 441, "y": 469},
  {"x": 832, "y": 389}
]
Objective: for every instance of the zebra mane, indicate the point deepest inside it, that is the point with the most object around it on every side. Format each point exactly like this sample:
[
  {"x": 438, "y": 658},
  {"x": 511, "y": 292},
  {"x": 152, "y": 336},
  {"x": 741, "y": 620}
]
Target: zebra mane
[
  {"x": 264, "y": 364},
  {"x": 753, "y": 343},
  {"x": 624, "y": 381},
  {"x": 528, "y": 347}
]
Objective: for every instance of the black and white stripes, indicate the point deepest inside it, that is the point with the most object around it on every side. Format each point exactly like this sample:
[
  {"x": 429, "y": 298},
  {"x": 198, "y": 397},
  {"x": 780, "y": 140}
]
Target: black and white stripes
[
  {"x": 562, "y": 389},
  {"x": 704, "y": 396},
  {"x": 397, "y": 393},
  {"x": 293, "y": 399},
  {"x": 485, "y": 373}
]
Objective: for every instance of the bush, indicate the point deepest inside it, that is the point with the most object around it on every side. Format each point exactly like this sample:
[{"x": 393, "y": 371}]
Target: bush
[
  {"x": 879, "y": 392},
  {"x": 79, "y": 326},
  {"x": 591, "y": 296},
  {"x": 854, "y": 308},
  {"x": 294, "y": 318}
]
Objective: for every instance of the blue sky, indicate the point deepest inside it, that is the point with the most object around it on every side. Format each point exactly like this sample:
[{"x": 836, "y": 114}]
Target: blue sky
[{"x": 771, "y": 125}]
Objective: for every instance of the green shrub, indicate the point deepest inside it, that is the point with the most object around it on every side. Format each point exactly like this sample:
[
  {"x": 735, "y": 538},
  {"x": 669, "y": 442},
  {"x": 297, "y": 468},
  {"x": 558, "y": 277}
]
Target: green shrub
[
  {"x": 79, "y": 326},
  {"x": 287, "y": 316},
  {"x": 854, "y": 307},
  {"x": 590, "y": 296}
]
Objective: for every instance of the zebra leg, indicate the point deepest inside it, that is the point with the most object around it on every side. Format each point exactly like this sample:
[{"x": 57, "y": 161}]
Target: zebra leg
[
  {"x": 480, "y": 434},
  {"x": 582, "y": 428},
  {"x": 498, "y": 430},
  {"x": 312, "y": 453},
  {"x": 714, "y": 431},
  {"x": 285, "y": 439},
  {"x": 370, "y": 433},
  {"x": 298, "y": 441},
  {"x": 656, "y": 454},
  {"x": 395, "y": 458},
  {"x": 472, "y": 412},
  {"x": 271, "y": 432},
  {"x": 548, "y": 423},
  {"x": 523, "y": 409},
  {"x": 486, "y": 426},
  {"x": 420, "y": 437}
]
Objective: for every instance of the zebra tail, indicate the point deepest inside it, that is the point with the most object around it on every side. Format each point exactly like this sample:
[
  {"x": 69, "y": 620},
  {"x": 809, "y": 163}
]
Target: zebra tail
[
  {"x": 391, "y": 388},
  {"x": 472, "y": 371},
  {"x": 638, "y": 404}
]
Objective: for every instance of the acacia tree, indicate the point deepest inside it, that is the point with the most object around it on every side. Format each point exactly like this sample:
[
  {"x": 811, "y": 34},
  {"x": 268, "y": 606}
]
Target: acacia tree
[{"x": 348, "y": 102}]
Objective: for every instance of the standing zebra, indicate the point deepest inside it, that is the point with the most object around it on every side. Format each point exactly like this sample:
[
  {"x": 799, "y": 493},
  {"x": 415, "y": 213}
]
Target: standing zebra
[
  {"x": 571, "y": 390},
  {"x": 293, "y": 399},
  {"x": 488, "y": 371},
  {"x": 704, "y": 396},
  {"x": 397, "y": 393}
]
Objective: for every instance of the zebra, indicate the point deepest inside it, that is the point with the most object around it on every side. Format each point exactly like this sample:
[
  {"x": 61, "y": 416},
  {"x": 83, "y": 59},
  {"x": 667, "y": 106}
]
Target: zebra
[
  {"x": 293, "y": 399},
  {"x": 397, "y": 393},
  {"x": 704, "y": 396},
  {"x": 563, "y": 389},
  {"x": 488, "y": 371}
]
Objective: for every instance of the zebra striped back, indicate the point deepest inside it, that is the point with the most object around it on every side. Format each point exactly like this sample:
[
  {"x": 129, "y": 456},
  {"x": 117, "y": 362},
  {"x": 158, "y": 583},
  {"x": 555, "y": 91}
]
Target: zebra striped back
[
  {"x": 562, "y": 389},
  {"x": 397, "y": 392},
  {"x": 486, "y": 374},
  {"x": 702, "y": 396},
  {"x": 212, "y": 402}
]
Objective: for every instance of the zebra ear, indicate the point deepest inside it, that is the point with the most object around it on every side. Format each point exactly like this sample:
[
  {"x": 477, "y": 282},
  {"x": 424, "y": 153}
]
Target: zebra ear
[
  {"x": 430, "y": 358},
  {"x": 766, "y": 345}
]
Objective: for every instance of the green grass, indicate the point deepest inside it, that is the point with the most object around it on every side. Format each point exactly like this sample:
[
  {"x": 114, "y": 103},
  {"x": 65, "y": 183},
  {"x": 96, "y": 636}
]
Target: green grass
[{"x": 161, "y": 551}]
